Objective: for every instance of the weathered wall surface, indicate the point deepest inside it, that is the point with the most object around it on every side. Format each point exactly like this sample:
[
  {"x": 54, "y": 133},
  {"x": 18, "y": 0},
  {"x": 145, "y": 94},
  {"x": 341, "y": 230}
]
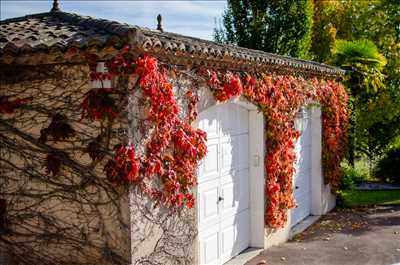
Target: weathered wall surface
[
  {"x": 160, "y": 236},
  {"x": 76, "y": 216}
]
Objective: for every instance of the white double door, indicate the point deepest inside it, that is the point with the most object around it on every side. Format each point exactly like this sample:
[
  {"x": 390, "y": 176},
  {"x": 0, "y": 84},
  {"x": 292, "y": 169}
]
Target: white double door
[
  {"x": 223, "y": 184},
  {"x": 302, "y": 178}
]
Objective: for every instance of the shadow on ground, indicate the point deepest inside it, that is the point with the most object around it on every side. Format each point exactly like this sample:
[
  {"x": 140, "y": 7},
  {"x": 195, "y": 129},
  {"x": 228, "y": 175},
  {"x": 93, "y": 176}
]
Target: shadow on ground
[{"x": 361, "y": 236}]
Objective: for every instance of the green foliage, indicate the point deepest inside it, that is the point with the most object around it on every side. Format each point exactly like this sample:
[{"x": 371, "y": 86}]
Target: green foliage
[
  {"x": 388, "y": 167},
  {"x": 363, "y": 51},
  {"x": 353, "y": 175},
  {"x": 278, "y": 26},
  {"x": 364, "y": 63},
  {"x": 379, "y": 21},
  {"x": 376, "y": 120},
  {"x": 331, "y": 21},
  {"x": 395, "y": 144},
  {"x": 365, "y": 198},
  {"x": 355, "y": 35},
  {"x": 364, "y": 79}
]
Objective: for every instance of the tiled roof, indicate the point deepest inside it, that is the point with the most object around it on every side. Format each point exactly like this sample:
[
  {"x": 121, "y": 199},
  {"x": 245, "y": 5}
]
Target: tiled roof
[{"x": 58, "y": 31}]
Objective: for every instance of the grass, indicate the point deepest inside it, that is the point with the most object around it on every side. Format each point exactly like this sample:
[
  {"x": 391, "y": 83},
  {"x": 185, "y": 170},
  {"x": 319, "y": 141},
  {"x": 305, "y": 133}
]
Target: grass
[{"x": 364, "y": 198}]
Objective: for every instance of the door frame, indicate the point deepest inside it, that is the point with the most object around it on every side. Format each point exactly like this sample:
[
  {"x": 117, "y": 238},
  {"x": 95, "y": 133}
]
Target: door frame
[
  {"x": 304, "y": 120},
  {"x": 256, "y": 170}
]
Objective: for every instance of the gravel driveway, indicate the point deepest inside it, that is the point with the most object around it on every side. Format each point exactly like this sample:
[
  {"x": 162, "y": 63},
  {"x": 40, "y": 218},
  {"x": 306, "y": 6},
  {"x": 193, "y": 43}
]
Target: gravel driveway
[{"x": 364, "y": 236}]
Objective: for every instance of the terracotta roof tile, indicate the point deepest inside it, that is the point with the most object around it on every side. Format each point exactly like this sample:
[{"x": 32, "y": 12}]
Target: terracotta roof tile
[{"x": 60, "y": 30}]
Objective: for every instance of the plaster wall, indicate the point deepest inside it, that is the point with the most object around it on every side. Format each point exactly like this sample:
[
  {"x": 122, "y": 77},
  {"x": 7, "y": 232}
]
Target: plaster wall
[
  {"x": 128, "y": 229},
  {"x": 158, "y": 235},
  {"x": 75, "y": 217}
]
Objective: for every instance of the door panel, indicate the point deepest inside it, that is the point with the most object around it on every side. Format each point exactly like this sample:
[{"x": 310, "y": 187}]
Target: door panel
[
  {"x": 223, "y": 191},
  {"x": 209, "y": 167},
  {"x": 208, "y": 209},
  {"x": 209, "y": 246},
  {"x": 227, "y": 148}
]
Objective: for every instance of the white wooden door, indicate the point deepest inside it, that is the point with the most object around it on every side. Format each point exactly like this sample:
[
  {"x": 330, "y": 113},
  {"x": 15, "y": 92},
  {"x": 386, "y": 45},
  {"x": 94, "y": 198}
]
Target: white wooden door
[
  {"x": 223, "y": 184},
  {"x": 302, "y": 178}
]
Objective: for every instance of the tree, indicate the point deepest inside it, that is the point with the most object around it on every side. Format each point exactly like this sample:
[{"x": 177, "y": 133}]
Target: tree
[
  {"x": 365, "y": 63},
  {"x": 278, "y": 26},
  {"x": 364, "y": 80},
  {"x": 330, "y": 21},
  {"x": 379, "y": 21}
]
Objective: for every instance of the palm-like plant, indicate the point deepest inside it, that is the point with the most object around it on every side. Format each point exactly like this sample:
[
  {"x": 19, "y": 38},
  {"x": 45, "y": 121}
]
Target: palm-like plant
[
  {"x": 364, "y": 79},
  {"x": 364, "y": 64}
]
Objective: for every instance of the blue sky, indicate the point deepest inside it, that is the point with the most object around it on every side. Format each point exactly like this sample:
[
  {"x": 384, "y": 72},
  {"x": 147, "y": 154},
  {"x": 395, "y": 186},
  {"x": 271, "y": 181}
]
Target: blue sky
[{"x": 193, "y": 18}]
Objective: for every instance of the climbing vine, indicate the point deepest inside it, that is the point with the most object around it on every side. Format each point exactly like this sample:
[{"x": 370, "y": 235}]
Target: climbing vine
[
  {"x": 164, "y": 167},
  {"x": 279, "y": 98},
  {"x": 8, "y": 105}
]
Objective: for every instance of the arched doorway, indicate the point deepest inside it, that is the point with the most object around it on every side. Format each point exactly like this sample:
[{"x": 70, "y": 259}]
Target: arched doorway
[{"x": 230, "y": 182}]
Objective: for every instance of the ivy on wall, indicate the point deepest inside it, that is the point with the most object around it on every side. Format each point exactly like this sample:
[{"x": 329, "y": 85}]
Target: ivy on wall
[
  {"x": 279, "y": 97},
  {"x": 165, "y": 169}
]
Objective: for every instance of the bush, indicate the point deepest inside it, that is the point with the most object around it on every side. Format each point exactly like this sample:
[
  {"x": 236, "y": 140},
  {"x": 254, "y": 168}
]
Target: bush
[
  {"x": 388, "y": 167},
  {"x": 351, "y": 176}
]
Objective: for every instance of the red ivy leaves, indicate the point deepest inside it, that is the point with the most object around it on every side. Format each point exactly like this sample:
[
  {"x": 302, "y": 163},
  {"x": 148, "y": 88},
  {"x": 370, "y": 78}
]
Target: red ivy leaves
[
  {"x": 8, "y": 106},
  {"x": 123, "y": 64},
  {"x": 174, "y": 148},
  {"x": 124, "y": 167},
  {"x": 279, "y": 97},
  {"x": 192, "y": 106},
  {"x": 226, "y": 86},
  {"x": 157, "y": 91},
  {"x": 94, "y": 149},
  {"x": 335, "y": 117},
  {"x": 98, "y": 104},
  {"x": 58, "y": 129}
]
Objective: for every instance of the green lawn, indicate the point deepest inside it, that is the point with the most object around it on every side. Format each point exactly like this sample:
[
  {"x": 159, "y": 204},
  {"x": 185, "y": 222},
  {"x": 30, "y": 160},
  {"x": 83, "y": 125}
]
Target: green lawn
[{"x": 364, "y": 198}]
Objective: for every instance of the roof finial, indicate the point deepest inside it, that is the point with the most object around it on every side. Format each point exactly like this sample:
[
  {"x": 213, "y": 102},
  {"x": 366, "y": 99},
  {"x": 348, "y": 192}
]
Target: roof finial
[
  {"x": 159, "y": 26},
  {"x": 55, "y": 7}
]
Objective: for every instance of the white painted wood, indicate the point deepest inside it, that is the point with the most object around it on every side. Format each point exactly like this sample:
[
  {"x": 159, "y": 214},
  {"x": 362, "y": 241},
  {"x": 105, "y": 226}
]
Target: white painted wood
[
  {"x": 302, "y": 178},
  {"x": 322, "y": 198},
  {"x": 316, "y": 163},
  {"x": 257, "y": 180},
  {"x": 101, "y": 68},
  {"x": 223, "y": 190}
]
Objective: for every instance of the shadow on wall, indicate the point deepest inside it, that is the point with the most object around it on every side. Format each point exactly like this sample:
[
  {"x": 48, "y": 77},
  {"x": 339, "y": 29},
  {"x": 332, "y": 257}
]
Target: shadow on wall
[
  {"x": 74, "y": 216},
  {"x": 160, "y": 236}
]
